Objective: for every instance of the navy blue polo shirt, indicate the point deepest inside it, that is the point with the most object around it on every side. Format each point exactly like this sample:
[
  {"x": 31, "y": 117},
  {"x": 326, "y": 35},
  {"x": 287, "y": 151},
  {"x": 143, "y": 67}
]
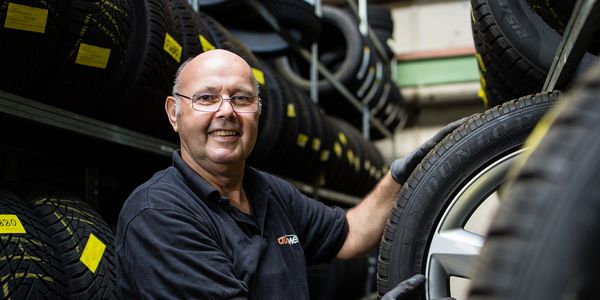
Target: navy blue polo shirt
[{"x": 178, "y": 238}]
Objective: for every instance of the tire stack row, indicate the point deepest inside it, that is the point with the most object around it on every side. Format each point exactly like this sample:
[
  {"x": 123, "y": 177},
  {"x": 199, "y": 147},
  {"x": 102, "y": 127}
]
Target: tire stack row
[
  {"x": 355, "y": 63},
  {"x": 54, "y": 246},
  {"x": 516, "y": 42},
  {"x": 343, "y": 50},
  {"x": 116, "y": 61}
]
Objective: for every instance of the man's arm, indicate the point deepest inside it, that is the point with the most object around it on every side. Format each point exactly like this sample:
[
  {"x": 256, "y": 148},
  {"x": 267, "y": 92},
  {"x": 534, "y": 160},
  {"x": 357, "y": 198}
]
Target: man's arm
[{"x": 367, "y": 220}]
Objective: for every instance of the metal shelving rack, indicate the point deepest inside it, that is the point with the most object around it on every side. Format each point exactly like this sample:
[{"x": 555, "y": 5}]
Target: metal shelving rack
[
  {"x": 583, "y": 24},
  {"x": 316, "y": 66},
  {"x": 47, "y": 115}
]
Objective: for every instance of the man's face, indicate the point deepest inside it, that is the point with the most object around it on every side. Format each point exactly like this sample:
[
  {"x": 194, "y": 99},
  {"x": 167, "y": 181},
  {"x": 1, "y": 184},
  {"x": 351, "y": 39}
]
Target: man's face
[{"x": 224, "y": 136}]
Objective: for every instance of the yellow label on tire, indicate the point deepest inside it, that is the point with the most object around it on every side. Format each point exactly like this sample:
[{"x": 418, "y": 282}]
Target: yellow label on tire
[
  {"x": 337, "y": 148},
  {"x": 343, "y": 138},
  {"x": 92, "y": 253},
  {"x": 10, "y": 224},
  {"x": 259, "y": 75},
  {"x": 291, "y": 110},
  {"x": 325, "y": 155},
  {"x": 23, "y": 17},
  {"x": 316, "y": 144},
  {"x": 302, "y": 139},
  {"x": 172, "y": 47},
  {"x": 206, "y": 45},
  {"x": 93, "y": 56}
]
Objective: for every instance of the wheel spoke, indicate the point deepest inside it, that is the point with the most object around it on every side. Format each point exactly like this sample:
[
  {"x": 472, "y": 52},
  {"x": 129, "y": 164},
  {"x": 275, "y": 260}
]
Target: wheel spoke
[
  {"x": 452, "y": 253},
  {"x": 456, "y": 250}
]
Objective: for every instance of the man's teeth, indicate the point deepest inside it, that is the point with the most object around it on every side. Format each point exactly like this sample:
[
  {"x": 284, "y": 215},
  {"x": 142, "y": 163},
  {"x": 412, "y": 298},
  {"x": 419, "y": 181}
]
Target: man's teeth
[{"x": 225, "y": 133}]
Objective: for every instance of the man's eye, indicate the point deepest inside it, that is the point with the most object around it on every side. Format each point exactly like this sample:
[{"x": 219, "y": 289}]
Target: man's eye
[
  {"x": 242, "y": 98},
  {"x": 207, "y": 97}
]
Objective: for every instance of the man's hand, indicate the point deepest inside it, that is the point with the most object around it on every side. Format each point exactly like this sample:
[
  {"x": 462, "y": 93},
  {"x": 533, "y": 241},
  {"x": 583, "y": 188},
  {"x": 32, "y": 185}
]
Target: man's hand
[
  {"x": 408, "y": 288},
  {"x": 405, "y": 288},
  {"x": 402, "y": 167}
]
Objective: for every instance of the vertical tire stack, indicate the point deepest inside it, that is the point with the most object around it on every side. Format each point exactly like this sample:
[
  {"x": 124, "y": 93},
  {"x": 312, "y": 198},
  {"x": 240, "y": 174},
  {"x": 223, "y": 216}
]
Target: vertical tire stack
[
  {"x": 116, "y": 61},
  {"x": 54, "y": 247},
  {"x": 516, "y": 42},
  {"x": 356, "y": 64}
]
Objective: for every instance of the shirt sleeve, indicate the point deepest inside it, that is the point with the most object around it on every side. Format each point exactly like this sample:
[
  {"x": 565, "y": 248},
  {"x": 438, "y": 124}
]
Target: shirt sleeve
[
  {"x": 322, "y": 229},
  {"x": 166, "y": 254}
]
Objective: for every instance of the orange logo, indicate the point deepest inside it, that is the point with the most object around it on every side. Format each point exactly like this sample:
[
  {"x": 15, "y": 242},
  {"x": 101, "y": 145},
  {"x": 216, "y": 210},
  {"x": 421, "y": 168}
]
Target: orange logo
[{"x": 289, "y": 239}]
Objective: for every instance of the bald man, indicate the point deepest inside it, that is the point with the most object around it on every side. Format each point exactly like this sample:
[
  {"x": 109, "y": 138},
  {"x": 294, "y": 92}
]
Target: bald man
[{"x": 210, "y": 226}]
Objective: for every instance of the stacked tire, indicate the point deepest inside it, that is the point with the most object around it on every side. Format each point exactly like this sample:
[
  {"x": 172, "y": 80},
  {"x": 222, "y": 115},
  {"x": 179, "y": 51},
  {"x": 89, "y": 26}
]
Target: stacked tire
[
  {"x": 356, "y": 64},
  {"x": 116, "y": 62},
  {"x": 516, "y": 42},
  {"x": 54, "y": 247}
]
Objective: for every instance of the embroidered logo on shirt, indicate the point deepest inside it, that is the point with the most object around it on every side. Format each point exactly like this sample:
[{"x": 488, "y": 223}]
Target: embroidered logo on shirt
[{"x": 288, "y": 239}]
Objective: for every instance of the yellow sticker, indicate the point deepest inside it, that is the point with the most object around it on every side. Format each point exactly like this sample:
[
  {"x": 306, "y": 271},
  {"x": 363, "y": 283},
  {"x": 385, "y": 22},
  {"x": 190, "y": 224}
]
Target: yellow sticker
[
  {"x": 367, "y": 164},
  {"x": 480, "y": 62},
  {"x": 316, "y": 144},
  {"x": 259, "y": 75},
  {"x": 302, "y": 139},
  {"x": 337, "y": 148},
  {"x": 92, "y": 56},
  {"x": 172, "y": 47},
  {"x": 291, "y": 110},
  {"x": 324, "y": 155},
  {"x": 357, "y": 163},
  {"x": 206, "y": 45},
  {"x": 23, "y": 17},
  {"x": 350, "y": 156},
  {"x": 11, "y": 224},
  {"x": 343, "y": 138},
  {"x": 92, "y": 253}
]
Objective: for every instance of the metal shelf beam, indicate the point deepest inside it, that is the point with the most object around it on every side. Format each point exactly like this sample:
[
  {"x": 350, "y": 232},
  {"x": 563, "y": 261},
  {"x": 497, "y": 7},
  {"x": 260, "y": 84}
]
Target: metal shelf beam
[{"x": 44, "y": 114}]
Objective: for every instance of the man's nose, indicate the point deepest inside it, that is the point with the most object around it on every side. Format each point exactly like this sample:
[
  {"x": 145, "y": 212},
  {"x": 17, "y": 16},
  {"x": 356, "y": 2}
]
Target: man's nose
[{"x": 226, "y": 108}]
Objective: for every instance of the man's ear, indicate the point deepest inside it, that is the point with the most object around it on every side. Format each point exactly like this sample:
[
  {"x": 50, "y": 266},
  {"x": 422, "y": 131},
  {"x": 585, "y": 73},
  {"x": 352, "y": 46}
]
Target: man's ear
[{"x": 171, "y": 112}]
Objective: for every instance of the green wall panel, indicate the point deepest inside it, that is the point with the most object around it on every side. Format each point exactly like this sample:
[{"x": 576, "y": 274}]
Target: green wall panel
[{"x": 438, "y": 71}]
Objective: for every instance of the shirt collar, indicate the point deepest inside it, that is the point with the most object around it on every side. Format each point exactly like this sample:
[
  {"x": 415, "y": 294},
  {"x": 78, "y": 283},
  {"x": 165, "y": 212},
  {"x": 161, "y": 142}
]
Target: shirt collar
[
  {"x": 254, "y": 183},
  {"x": 202, "y": 188}
]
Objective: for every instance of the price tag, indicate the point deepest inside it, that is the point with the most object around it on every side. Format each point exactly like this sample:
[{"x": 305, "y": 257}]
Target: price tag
[
  {"x": 302, "y": 139},
  {"x": 23, "y": 17},
  {"x": 206, "y": 45},
  {"x": 172, "y": 47},
  {"x": 92, "y": 253},
  {"x": 259, "y": 75},
  {"x": 316, "y": 144},
  {"x": 291, "y": 110},
  {"x": 10, "y": 224},
  {"x": 93, "y": 56}
]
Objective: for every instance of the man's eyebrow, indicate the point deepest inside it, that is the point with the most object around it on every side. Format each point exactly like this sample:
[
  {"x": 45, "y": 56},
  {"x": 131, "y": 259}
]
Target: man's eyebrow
[{"x": 206, "y": 89}]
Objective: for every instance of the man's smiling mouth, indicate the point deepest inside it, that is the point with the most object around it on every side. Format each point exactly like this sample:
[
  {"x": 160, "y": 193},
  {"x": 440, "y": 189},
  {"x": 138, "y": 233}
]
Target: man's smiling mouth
[{"x": 225, "y": 133}]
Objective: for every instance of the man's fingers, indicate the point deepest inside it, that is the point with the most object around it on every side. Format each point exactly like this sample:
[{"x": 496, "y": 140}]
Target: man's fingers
[{"x": 405, "y": 288}]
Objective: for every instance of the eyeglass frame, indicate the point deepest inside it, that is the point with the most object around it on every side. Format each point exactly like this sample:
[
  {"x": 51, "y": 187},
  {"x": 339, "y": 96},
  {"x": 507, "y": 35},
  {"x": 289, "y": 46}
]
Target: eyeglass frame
[{"x": 259, "y": 100}]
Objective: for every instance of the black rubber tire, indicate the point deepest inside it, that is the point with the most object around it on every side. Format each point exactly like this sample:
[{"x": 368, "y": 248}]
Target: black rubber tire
[
  {"x": 44, "y": 65},
  {"x": 515, "y": 49},
  {"x": 220, "y": 38},
  {"x": 190, "y": 28},
  {"x": 71, "y": 223},
  {"x": 340, "y": 35},
  {"x": 30, "y": 267},
  {"x": 484, "y": 139},
  {"x": 271, "y": 118},
  {"x": 557, "y": 13},
  {"x": 542, "y": 242},
  {"x": 291, "y": 15},
  {"x": 149, "y": 72}
]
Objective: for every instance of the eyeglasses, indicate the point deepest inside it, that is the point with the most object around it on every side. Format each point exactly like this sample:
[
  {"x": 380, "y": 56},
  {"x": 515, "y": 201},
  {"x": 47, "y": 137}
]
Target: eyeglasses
[{"x": 212, "y": 103}]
